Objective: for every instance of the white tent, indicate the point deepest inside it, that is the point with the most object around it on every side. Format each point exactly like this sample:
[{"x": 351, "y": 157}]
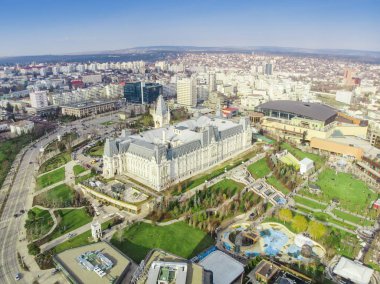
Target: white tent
[{"x": 353, "y": 271}]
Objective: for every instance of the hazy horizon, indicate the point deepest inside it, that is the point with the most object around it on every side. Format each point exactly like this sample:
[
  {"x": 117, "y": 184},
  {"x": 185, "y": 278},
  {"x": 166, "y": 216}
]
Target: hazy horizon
[{"x": 45, "y": 27}]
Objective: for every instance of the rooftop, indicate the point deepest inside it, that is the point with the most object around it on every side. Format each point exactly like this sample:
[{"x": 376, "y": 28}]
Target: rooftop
[
  {"x": 353, "y": 271},
  {"x": 314, "y": 111},
  {"x": 68, "y": 261},
  {"x": 225, "y": 269}
]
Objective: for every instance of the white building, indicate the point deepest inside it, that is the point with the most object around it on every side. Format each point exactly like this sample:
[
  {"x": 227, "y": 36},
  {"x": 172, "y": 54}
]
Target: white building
[
  {"x": 96, "y": 231},
  {"x": 344, "y": 97},
  {"x": 161, "y": 157},
  {"x": 186, "y": 92},
  {"x": 353, "y": 271},
  {"x": 161, "y": 113},
  {"x": 21, "y": 127},
  {"x": 38, "y": 99},
  {"x": 306, "y": 165}
]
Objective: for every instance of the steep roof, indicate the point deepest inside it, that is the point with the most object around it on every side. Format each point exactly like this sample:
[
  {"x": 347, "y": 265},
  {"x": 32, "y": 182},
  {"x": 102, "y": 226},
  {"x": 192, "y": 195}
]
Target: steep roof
[{"x": 161, "y": 108}]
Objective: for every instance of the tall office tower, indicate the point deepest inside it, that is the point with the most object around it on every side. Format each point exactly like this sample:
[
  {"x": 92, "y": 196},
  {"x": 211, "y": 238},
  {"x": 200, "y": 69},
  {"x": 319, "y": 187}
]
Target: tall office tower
[
  {"x": 38, "y": 99},
  {"x": 186, "y": 92},
  {"x": 211, "y": 81},
  {"x": 142, "y": 93},
  {"x": 268, "y": 69}
]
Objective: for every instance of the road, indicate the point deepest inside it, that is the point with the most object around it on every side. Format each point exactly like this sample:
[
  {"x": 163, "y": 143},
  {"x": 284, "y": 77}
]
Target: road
[{"x": 20, "y": 198}]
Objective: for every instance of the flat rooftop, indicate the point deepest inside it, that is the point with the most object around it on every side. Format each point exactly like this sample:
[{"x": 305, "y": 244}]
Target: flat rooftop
[
  {"x": 225, "y": 269},
  {"x": 67, "y": 260},
  {"x": 87, "y": 104}
]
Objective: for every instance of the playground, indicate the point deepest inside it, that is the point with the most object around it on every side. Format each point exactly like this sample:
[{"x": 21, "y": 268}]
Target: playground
[{"x": 270, "y": 239}]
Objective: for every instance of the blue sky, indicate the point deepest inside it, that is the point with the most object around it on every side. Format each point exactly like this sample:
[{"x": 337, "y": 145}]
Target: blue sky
[{"x": 31, "y": 27}]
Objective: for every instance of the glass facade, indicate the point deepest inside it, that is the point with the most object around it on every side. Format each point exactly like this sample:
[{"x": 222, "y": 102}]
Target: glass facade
[{"x": 142, "y": 93}]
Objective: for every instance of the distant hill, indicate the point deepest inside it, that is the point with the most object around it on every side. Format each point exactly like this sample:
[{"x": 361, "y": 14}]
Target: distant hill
[{"x": 152, "y": 53}]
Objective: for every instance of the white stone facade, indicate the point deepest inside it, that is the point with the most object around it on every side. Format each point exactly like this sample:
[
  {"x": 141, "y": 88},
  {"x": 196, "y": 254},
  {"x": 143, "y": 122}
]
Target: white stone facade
[{"x": 164, "y": 156}]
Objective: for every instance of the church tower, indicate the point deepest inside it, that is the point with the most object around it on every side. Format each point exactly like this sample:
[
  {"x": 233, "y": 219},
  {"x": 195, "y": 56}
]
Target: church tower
[{"x": 161, "y": 113}]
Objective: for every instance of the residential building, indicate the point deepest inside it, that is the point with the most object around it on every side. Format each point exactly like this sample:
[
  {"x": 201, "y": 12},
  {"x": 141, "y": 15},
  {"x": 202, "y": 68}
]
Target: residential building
[
  {"x": 88, "y": 108},
  {"x": 39, "y": 99},
  {"x": 22, "y": 127},
  {"x": 186, "y": 92}
]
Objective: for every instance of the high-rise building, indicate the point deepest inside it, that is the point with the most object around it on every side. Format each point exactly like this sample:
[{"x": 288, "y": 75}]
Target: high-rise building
[
  {"x": 268, "y": 69},
  {"x": 186, "y": 92},
  {"x": 211, "y": 81},
  {"x": 142, "y": 93},
  {"x": 38, "y": 99}
]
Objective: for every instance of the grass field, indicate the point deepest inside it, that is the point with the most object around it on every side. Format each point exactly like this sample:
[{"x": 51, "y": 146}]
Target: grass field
[
  {"x": 259, "y": 169},
  {"x": 277, "y": 184},
  {"x": 8, "y": 152},
  {"x": 55, "y": 162},
  {"x": 301, "y": 155},
  {"x": 71, "y": 219},
  {"x": 59, "y": 196},
  {"x": 80, "y": 240},
  {"x": 84, "y": 177},
  {"x": 51, "y": 178},
  {"x": 78, "y": 169},
  {"x": 107, "y": 123},
  {"x": 309, "y": 203},
  {"x": 96, "y": 151},
  {"x": 41, "y": 224},
  {"x": 290, "y": 160},
  {"x": 352, "y": 193},
  {"x": 352, "y": 218},
  {"x": 228, "y": 184},
  {"x": 178, "y": 238},
  {"x": 327, "y": 218}
]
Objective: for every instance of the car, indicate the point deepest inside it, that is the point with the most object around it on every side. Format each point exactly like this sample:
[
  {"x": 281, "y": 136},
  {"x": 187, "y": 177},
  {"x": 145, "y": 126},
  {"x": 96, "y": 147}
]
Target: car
[
  {"x": 22, "y": 211},
  {"x": 17, "y": 276},
  {"x": 15, "y": 215}
]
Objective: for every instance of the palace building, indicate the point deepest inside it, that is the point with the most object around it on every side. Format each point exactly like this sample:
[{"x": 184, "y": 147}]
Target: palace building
[{"x": 164, "y": 156}]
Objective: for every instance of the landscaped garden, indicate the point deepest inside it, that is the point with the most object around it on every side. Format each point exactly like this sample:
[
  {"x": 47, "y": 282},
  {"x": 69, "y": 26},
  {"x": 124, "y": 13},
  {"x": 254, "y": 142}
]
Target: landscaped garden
[
  {"x": 55, "y": 162},
  {"x": 309, "y": 203},
  {"x": 78, "y": 169},
  {"x": 57, "y": 197},
  {"x": 39, "y": 223},
  {"x": 69, "y": 220},
  {"x": 79, "y": 179},
  {"x": 273, "y": 181},
  {"x": 178, "y": 238},
  {"x": 259, "y": 169},
  {"x": 97, "y": 150},
  {"x": 351, "y": 193},
  {"x": 299, "y": 154},
  {"x": 50, "y": 178},
  {"x": 352, "y": 218}
]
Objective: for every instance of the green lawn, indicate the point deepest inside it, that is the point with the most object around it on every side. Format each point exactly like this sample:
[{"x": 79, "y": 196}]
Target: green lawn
[
  {"x": 259, "y": 169},
  {"x": 318, "y": 160},
  {"x": 352, "y": 218},
  {"x": 107, "y": 123},
  {"x": 327, "y": 218},
  {"x": 96, "y": 151},
  {"x": 80, "y": 240},
  {"x": 51, "y": 178},
  {"x": 59, "y": 196},
  {"x": 78, "y": 169},
  {"x": 71, "y": 219},
  {"x": 228, "y": 184},
  {"x": 309, "y": 203},
  {"x": 8, "y": 152},
  {"x": 41, "y": 224},
  {"x": 352, "y": 193},
  {"x": 178, "y": 238},
  {"x": 55, "y": 162},
  {"x": 277, "y": 184},
  {"x": 84, "y": 177}
]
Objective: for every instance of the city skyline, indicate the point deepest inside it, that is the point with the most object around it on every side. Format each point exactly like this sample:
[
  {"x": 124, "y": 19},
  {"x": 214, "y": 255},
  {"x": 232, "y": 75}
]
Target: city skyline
[{"x": 47, "y": 27}]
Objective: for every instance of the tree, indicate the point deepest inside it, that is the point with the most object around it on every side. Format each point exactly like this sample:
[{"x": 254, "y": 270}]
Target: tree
[
  {"x": 316, "y": 229},
  {"x": 285, "y": 215},
  {"x": 299, "y": 223},
  {"x": 33, "y": 249}
]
